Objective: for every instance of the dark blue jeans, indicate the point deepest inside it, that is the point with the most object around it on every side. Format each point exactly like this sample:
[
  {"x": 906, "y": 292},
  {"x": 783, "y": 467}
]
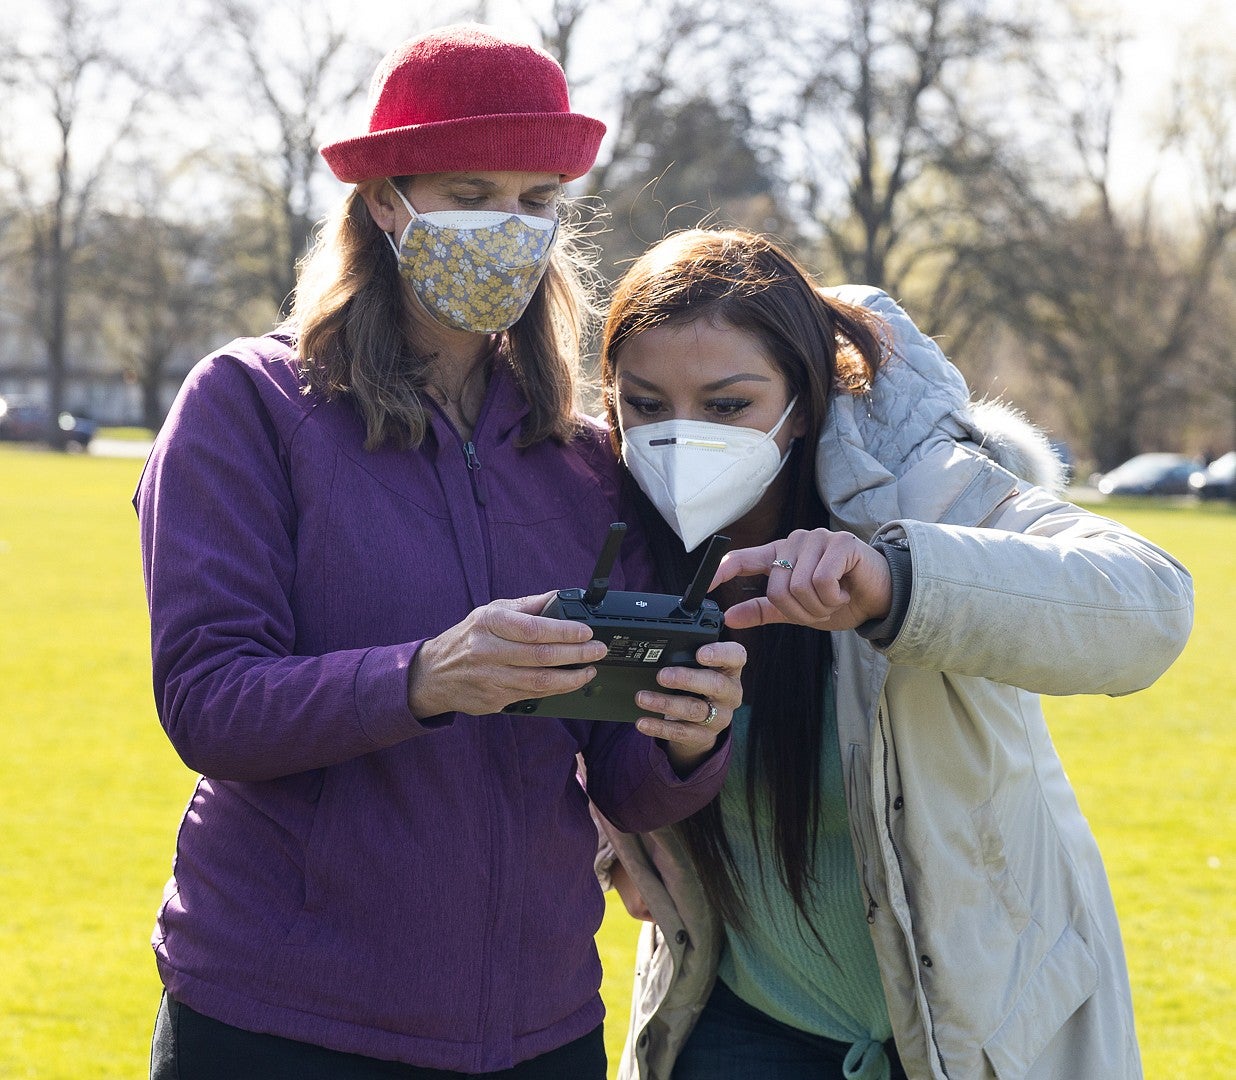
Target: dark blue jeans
[
  {"x": 735, "y": 1041},
  {"x": 190, "y": 1046}
]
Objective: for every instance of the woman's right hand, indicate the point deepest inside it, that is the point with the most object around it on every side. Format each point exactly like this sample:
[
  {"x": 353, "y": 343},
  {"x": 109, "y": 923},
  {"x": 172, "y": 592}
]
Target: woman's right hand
[
  {"x": 501, "y": 653},
  {"x": 826, "y": 580}
]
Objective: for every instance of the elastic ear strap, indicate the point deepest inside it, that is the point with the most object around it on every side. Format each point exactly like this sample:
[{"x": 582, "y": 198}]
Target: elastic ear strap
[
  {"x": 784, "y": 416},
  {"x": 390, "y": 236},
  {"x": 406, "y": 205}
]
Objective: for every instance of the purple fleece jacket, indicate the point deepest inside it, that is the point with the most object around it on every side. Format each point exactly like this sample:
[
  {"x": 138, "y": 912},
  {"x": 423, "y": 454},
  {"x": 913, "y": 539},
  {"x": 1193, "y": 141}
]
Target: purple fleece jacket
[{"x": 412, "y": 888}]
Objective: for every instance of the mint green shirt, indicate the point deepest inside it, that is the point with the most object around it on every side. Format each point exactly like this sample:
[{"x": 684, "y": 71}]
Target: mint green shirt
[{"x": 776, "y": 964}]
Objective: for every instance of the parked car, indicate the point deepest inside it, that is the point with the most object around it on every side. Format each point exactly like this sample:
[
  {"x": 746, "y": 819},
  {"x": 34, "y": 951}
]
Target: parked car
[
  {"x": 27, "y": 419},
  {"x": 1151, "y": 474},
  {"x": 1219, "y": 479}
]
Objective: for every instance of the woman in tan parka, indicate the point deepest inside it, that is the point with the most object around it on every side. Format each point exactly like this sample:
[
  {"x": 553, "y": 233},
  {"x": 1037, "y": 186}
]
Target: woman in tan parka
[{"x": 896, "y": 875}]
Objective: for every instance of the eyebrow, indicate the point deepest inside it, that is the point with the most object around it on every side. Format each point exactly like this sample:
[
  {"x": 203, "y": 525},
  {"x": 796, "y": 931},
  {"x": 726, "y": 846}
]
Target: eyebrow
[
  {"x": 720, "y": 384},
  {"x": 485, "y": 187}
]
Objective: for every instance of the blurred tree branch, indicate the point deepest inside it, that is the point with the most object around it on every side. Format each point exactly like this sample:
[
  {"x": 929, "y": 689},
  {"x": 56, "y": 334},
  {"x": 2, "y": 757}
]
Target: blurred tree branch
[{"x": 86, "y": 97}]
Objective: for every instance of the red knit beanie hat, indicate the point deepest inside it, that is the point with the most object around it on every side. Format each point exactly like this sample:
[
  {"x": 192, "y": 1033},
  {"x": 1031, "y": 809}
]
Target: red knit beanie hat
[{"x": 463, "y": 98}]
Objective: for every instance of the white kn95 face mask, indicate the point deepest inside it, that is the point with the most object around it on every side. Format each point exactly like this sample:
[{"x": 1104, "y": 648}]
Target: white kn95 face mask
[{"x": 702, "y": 476}]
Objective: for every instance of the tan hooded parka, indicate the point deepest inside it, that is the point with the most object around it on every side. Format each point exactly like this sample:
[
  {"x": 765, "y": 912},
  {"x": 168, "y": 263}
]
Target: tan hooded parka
[{"x": 989, "y": 908}]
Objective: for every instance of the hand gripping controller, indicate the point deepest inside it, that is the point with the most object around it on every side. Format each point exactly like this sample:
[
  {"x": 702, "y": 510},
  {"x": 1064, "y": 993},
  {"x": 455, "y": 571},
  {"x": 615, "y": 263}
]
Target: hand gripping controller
[{"x": 643, "y": 632}]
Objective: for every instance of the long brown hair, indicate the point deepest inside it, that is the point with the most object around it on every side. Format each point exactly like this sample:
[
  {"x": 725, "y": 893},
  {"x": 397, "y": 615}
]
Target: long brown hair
[
  {"x": 821, "y": 346},
  {"x": 352, "y": 319}
]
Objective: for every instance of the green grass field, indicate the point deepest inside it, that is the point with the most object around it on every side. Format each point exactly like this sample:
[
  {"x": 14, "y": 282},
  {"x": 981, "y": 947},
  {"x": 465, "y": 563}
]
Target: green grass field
[{"x": 91, "y": 793}]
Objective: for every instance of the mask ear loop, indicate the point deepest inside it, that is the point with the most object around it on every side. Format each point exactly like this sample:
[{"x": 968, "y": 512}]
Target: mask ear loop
[
  {"x": 784, "y": 416},
  {"x": 777, "y": 427},
  {"x": 390, "y": 236},
  {"x": 402, "y": 198}
]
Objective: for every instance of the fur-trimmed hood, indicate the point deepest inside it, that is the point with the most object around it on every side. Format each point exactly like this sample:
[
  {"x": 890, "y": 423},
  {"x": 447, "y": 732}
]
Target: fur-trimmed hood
[
  {"x": 919, "y": 407},
  {"x": 1014, "y": 443}
]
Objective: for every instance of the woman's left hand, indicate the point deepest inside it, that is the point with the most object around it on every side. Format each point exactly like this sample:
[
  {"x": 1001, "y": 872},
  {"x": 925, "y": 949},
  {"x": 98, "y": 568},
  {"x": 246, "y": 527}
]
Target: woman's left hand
[
  {"x": 689, "y": 724},
  {"x": 826, "y": 580}
]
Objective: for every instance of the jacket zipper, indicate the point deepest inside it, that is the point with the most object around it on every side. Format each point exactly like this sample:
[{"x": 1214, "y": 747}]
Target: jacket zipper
[
  {"x": 888, "y": 801},
  {"x": 474, "y": 471},
  {"x": 857, "y": 771}
]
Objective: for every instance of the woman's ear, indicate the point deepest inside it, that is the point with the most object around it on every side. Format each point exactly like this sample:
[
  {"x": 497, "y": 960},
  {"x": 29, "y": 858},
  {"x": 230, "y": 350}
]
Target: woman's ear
[
  {"x": 797, "y": 422},
  {"x": 612, "y": 415},
  {"x": 380, "y": 201}
]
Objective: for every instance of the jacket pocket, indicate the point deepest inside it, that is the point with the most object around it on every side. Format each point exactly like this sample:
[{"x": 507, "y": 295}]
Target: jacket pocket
[
  {"x": 313, "y": 895},
  {"x": 1061, "y": 984}
]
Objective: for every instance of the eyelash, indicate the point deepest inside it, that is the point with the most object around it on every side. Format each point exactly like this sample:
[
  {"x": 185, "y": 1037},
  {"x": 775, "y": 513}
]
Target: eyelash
[
  {"x": 727, "y": 407},
  {"x": 724, "y": 408},
  {"x": 472, "y": 201}
]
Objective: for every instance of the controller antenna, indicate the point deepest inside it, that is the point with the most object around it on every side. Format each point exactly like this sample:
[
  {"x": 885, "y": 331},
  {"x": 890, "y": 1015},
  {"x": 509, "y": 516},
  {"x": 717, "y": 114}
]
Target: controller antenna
[
  {"x": 694, "y": 596},
  {"x": 605, "y": 563}
]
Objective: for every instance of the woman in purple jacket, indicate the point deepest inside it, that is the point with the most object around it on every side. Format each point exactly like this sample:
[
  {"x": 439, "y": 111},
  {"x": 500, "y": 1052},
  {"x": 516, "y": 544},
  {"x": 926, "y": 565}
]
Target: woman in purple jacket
[{"x": 349, "y": 529}]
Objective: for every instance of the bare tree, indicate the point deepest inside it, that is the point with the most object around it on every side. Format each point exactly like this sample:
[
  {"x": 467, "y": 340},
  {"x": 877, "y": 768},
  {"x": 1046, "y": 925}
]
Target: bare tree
[
  {"x": 1111, "y": 296},
  {"x": 683, "y": 145},
  {"x": 874, "y": 125},
  {"x": 1216, "y": 357},
  {"x": 291, "y": 90},
  {"x": 560, "y": 25},
  {"x": 83, "y": 98},
  {"x": 1205, "y": 119},
  {"x": 158, "y": 274},
  {"x": 889, "y": 103}
]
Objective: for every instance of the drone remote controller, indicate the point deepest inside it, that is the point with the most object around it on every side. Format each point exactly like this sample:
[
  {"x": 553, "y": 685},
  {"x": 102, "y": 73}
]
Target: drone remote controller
[{"x": 643, "y": 632}]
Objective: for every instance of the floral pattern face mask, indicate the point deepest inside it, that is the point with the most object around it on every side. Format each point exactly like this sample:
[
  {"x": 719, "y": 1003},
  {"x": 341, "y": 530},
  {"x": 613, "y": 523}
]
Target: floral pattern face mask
[{"x": 474, "y": 270}]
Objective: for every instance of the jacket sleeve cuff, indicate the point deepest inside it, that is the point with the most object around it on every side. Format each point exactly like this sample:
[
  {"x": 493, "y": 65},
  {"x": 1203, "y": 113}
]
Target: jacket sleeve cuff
[
  {"x": 662, "y": 797},
  {"x": 382, "y": 696},
  {"x": 717, "y": 759},
  {"x": 882, "y": 632}
]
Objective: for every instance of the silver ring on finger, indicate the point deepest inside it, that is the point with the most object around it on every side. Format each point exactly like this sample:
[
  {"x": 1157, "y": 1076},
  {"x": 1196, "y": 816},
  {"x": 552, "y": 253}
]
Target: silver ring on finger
[
  {"x": 712, "y": 713},
  {"x": 785, "y": 564}
]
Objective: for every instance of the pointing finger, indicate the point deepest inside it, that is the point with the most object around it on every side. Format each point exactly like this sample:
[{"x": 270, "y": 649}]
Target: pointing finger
[{"x": 745, "y": 562}]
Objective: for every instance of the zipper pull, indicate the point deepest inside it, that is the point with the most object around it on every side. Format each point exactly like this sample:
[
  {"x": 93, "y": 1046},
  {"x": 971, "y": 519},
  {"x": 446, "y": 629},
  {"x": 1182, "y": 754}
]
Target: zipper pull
[
  {"x": 871, "y": 909},
  {"x": 474, "y": 467}
]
